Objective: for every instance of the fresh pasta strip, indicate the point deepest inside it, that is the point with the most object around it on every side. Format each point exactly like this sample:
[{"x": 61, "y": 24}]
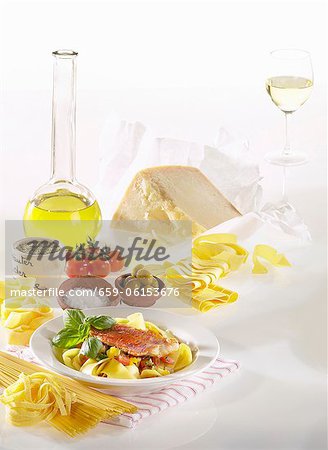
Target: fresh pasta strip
[
  {"x": 215, "y": 256},
  {"x": 13, "y": 285},
  {"x": 270, "y": 255},
  {"x": 212, "y": 297},
  {"x": 114, "y": 369},
  {"x": 21, "y": 322},
  {"x": 136, "y": 320},
  {"x": 110, "y": 368},
  {"x": 71, "y": 358},
  {"x": 112, "y": 352},
  {"x": 21, "y": 316},
  {"x": 151, "y": 373},
  {"x": 152, "y": 327},
  {"x": 182, "y": 357},
  {"x": 35, "y": 398}
]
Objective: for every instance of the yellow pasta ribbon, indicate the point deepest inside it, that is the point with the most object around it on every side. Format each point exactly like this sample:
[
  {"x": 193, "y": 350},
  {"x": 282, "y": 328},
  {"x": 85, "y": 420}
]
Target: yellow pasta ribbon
[
  {"x": 269, "y": 254},
  {"x": 11, "y": 284},
  {"x": 35, "y": 398},
  {"x": 214, "y": 256},
  {"x": 212, "y": 297},
  {"x": 21, "y": 316},
  {"x": 182, "y": 357}
]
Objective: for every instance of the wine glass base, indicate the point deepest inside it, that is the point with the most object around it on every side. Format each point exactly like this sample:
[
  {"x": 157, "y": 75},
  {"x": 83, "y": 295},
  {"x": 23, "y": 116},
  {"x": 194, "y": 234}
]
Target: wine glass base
[
  {"x": 294, "y": 159},
  {"x": 283, "y": 215}
]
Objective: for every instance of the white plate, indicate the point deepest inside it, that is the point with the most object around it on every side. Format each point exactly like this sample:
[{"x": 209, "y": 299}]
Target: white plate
[{"x": 203, "y": 343}]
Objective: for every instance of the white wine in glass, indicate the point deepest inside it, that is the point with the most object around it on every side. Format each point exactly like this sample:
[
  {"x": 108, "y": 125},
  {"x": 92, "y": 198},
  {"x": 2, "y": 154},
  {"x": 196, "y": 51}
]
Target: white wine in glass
[{"x": 289, "y": 85}]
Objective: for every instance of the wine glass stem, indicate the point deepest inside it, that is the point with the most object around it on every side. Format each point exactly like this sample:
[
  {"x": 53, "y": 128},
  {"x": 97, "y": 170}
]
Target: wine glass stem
[
  {"x": 287, "y": 150},
  {"x": 284, "y": 185}
]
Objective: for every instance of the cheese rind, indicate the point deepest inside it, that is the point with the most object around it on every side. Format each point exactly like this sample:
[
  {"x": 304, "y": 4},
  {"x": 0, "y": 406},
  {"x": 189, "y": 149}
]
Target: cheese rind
[{"x": 169, "y": 193}]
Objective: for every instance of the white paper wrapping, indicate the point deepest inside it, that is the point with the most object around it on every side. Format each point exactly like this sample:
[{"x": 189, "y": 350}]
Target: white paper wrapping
[{"x": 128, "y": 147}]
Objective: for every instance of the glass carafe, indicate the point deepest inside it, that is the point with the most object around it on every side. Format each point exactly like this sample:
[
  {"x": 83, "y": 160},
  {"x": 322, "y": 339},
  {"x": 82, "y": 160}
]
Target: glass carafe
[{"x": 63, "y": 209}]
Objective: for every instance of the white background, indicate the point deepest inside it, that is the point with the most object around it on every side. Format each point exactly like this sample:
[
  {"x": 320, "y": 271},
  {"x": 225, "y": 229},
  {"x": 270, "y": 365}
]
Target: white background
[{"x": 185, "y": 69}]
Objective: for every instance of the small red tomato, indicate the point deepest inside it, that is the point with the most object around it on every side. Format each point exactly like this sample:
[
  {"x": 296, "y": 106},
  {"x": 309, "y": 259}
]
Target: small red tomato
[
  {"x": 167, "y": 360},
  {"x": 146, "y": 363},
  {"x": 123, "y": 359},
  {"x": 87, "y": 268},
  {"x": 75, "y": 268},
  {"x": 156, "y": 360},
  {"x": 116, "y": 262},
  {"x": 98, "y": 268},
  {"x": 83, "y": 358}
]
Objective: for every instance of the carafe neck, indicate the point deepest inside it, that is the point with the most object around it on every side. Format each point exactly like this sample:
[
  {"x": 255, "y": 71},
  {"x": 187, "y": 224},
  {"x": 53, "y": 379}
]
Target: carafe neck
[{"x": 63, "y": 116}]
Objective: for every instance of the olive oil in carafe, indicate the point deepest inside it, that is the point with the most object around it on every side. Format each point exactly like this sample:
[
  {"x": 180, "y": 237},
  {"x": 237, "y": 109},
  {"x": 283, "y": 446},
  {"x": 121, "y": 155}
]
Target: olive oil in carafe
[
  {"x": 78, "y": 218},
  {"x": 63, "y": 208}
]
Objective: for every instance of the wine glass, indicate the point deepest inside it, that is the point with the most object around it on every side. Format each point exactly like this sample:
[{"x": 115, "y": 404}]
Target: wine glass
[{"x": 289, "y": 85}]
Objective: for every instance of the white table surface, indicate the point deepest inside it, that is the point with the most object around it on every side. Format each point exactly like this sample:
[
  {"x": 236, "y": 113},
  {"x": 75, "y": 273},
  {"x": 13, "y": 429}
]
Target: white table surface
[{"x": 276, "y": 330}]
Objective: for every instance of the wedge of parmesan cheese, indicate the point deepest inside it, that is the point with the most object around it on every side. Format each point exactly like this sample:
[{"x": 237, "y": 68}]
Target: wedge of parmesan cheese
[{"x": 170, "y": 193}]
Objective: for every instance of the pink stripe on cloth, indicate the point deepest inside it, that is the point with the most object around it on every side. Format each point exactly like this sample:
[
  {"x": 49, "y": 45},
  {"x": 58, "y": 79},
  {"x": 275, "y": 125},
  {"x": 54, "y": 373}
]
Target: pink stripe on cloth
[{"x": 157, "y": 402}]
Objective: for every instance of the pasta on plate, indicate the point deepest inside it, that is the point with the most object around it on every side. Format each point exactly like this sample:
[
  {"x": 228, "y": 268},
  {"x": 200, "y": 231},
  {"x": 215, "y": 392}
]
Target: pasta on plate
[{"x": 121, "y": 348}]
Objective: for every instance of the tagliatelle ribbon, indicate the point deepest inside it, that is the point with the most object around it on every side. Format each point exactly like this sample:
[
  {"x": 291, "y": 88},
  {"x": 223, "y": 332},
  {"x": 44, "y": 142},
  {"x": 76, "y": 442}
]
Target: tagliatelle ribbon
[
  {"x": 21, "y": 316},
  {"x": 214, "y": 256},
  {"x": 212, "y": 297},
  {"x": 34, "y": 398},
  {"x": 270, "y": 255},
  {"x": 221, "y": 250}
]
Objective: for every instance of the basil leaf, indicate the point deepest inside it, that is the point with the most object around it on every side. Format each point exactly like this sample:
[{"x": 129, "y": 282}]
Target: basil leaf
[
  {"x": 84, "y": 329},
  {"x": 101, "y": 322},
  {"x": 67, "y": 338},
  {"x": 73, "y": 318},
  {"x": 91, "y": 347}
]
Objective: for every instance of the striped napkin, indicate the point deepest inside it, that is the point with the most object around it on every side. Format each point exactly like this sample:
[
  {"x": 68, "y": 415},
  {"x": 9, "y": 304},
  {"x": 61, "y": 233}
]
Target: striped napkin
[{"x": 157, "y": 402}]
